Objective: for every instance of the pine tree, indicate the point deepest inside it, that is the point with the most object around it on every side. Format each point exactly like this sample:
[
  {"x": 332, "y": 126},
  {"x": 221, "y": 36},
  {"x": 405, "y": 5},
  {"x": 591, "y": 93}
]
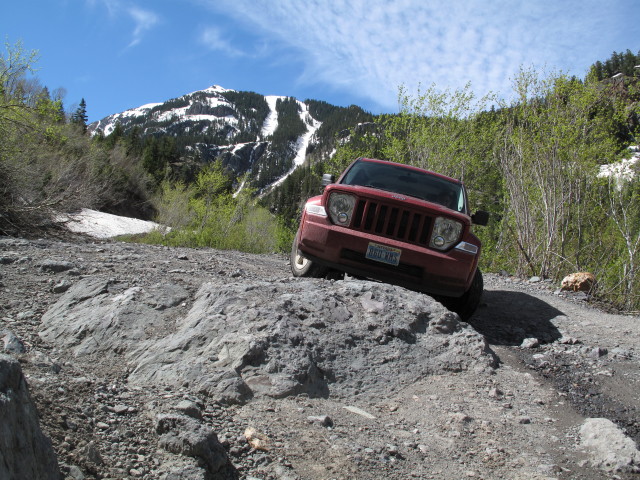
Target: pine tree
[{"x": 79, "y": 117}]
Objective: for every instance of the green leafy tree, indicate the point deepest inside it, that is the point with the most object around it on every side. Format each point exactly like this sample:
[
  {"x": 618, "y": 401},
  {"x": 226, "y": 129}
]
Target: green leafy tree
[
  {"x": 619, "y": 199},
  {"x": 434, "y": 130},
  {"x": 549, "y": 149}
]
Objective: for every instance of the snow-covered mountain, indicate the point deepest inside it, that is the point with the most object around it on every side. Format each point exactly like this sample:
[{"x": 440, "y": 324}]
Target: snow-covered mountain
[{"x": 265, "y": 137}]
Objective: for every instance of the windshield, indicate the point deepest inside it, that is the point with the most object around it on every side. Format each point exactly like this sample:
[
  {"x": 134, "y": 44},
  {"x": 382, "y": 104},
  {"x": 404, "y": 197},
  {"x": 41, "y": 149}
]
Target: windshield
[{"x": 404, "y": 181}]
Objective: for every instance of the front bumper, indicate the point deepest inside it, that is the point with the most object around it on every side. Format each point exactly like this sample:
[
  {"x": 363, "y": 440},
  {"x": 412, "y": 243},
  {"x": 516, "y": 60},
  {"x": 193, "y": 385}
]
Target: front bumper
[{"x": 422, "y": 269}]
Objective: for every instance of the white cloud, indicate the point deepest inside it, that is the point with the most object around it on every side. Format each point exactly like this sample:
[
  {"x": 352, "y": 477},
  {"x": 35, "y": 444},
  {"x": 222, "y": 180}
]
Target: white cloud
[
  {"x": 144, "y": 21},
  {"x": 370, "y": 47},
  {"x": 213, "y": 39}
]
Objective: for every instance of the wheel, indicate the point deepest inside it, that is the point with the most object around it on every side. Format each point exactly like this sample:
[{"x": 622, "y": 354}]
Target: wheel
[
  {"x": 467, "y": 304},
  {"x": 302, "y": 266}
]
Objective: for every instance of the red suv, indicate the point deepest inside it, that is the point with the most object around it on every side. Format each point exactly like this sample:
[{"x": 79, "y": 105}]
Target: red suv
[{"x": 394, "y": 223}]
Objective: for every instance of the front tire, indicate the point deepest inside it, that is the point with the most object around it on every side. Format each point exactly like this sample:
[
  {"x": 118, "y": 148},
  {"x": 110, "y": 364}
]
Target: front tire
[
  {"x": 301, "y": 266},
  {"x": 467, "y": 304}
]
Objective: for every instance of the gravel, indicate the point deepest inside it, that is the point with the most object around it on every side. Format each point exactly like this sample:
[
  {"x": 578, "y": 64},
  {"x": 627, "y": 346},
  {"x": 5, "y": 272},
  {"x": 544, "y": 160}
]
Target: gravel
[{"x": 321, "y": 379}]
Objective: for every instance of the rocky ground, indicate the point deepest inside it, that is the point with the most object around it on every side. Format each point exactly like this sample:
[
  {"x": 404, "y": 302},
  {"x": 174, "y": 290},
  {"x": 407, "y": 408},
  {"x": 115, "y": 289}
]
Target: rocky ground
[{"x": 148, "y": 362}]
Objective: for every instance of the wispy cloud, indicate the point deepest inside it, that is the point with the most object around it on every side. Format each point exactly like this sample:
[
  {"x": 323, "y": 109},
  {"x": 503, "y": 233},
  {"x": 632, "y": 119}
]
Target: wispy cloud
[
  {"x": 370, "y": 47},
  {"x": 213, "y": 39},
  {"x": 144, "y": 20}
]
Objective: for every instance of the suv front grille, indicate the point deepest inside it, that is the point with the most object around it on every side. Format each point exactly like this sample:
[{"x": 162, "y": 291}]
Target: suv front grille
[{"x": 391, "y": 222}]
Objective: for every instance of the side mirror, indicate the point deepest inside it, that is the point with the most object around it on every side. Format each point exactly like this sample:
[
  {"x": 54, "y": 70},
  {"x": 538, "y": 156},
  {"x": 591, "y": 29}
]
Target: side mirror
[
  {"x": 328, "y": 179},
  {"x": 480, "y": 217}
]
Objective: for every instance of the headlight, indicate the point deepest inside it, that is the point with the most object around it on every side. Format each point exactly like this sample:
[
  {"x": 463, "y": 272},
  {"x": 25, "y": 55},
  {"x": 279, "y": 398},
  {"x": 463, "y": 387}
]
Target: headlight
[
  {"x": 341, "y": 207},
  {"x": 315, "y": 209},
  {"x": 445, "y": 233}
]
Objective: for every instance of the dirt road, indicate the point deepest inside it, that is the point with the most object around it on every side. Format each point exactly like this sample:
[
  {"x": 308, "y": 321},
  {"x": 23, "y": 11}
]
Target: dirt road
[{"x": 559, "y": 362}]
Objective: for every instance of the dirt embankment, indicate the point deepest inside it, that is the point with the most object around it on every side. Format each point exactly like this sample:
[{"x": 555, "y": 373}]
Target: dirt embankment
[{"x": 160, "y": 363}]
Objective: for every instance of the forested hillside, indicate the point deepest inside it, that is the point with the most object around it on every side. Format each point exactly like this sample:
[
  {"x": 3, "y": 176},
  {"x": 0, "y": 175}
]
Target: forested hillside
[
  {"x": 48, "y": 163},
  {"x": 625, "y": 63},
  {"x": 258, "y": 139},
  {"x": 533, "y": 162}
]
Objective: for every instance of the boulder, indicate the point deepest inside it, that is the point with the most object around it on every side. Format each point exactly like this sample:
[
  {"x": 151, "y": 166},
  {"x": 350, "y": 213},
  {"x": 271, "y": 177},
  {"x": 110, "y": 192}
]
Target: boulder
[
  {"x": 188, "y": 436},
  {"x": 579, "y": 282},
  {"x": 25, "y": 452},
  {"x": 610, "y": 449},
  {"x": 12, "y": 344},
  {"x": 239, "y": 341}
]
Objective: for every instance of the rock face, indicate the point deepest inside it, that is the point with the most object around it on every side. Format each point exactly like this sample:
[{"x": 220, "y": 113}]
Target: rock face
[
  {"x": 579, "y": 282},
  {"x": 275, "y": 339},
  {"x": 24, "y": 451}
]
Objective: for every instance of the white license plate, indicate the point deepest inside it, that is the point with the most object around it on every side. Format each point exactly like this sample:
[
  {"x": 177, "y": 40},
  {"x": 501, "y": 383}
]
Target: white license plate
[{"x": 383, "y": 254}]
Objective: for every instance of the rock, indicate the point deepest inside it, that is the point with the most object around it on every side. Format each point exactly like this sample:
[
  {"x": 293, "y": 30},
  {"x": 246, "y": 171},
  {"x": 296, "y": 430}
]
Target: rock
[
  {"x": 610, "y": 449},
  {"x": 184, "y": 435},
  {"x": 7, "y": 260},
  {"x": 190, "y": 472},
  {"x": 25, "y": 451},
  {"x": 530, "y": 343},
  {"x": 323, "y": 420},
  {"x": 359, "y": 411},
  {"x": 189, "y": 408},
  {"x": 244, "y": 340},
  {"x": 579, "y": 282},
  {"x": 92, "y": 454},
  {"x": 43, "y": 361},
  {"x": 61, "y": 286},
  {"x": 55, "y": 266},
  {"x": 27, "y": 315},
  {"x": 598, "y": 352},
  {"x": 621, "y": 353},
  {"x": 12, "y": 344},
  {"x": 163, "y": 296},
  {"x": 76, "y": 473},
  {"x": 393, "y": 450},
  {"x": 95, "y": 317},
  {"x": 256, "y": 439},
  {"x": 496, "y": 393},
  {"x": 459, "y": 417},
  {"x": 120, "y": 409},
  {"x": 447, "y": 323},
  {"x": 226, "y": 387},
  {"x": 369, "y": 304}
]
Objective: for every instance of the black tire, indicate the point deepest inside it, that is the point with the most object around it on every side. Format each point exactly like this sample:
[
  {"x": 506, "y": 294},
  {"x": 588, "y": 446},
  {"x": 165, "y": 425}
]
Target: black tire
[
  {"x": 467, "y": 304},
  {"x": 302, "y": 266}
]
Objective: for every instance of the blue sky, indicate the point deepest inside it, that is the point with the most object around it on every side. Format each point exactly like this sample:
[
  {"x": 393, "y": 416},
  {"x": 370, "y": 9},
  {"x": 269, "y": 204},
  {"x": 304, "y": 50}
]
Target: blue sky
[{"x": 120, "y": 54}]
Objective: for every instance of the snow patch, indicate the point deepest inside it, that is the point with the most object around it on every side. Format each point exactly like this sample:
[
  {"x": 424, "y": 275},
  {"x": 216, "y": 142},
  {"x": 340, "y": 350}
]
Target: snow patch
[
  {"x": 271, "y": 122},
  {"x": 105, "y": 225},
  {"x": 213, "y": 89},
  {"x": 177, "y": 114},
  {"x": 302, "y": 144},
  {"x": 622, "y": 171}
]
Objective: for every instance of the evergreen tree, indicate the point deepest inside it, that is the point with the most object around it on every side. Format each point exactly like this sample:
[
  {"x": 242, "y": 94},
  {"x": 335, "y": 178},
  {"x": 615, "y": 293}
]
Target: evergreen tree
[
  {"x": 624, "y": 63},
  {"x": 79, "y": 117}
]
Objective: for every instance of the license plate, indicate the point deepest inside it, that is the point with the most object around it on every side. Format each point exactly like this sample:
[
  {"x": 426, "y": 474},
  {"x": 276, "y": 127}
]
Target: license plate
[{"x": 383, "y": 254}]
